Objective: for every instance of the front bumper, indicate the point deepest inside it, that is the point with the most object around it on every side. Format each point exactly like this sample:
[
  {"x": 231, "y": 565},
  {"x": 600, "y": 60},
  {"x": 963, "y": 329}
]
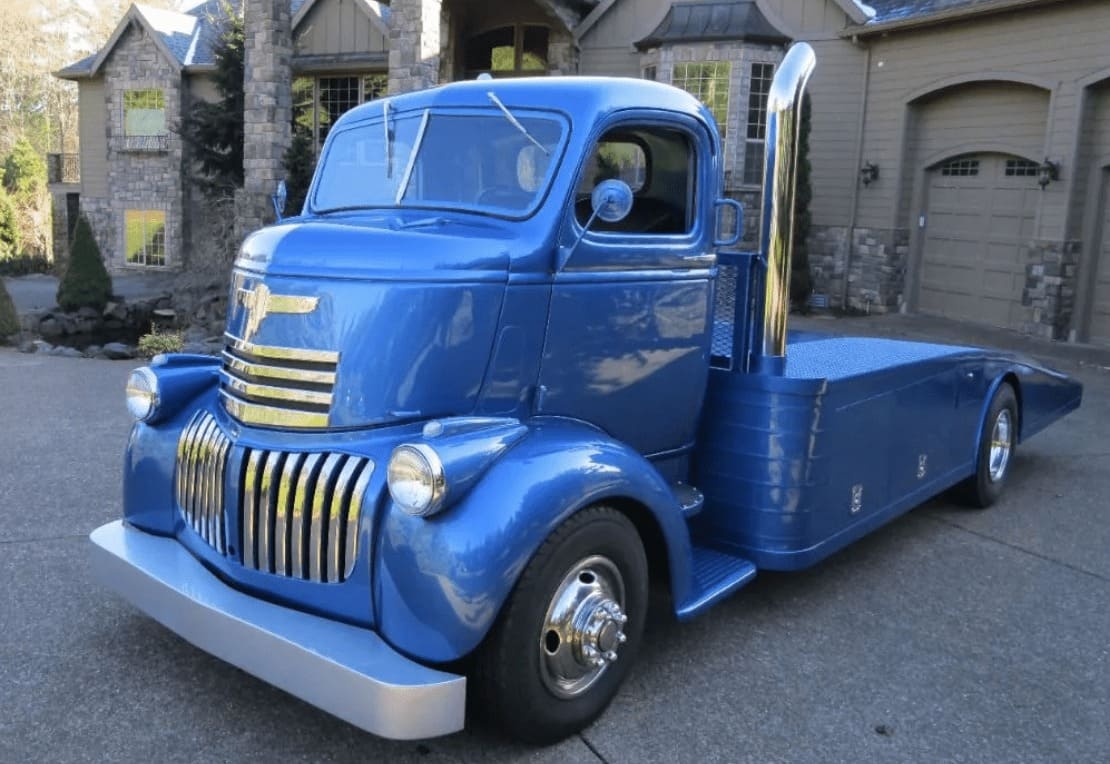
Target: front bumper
[{"x": 348, "y": 671}]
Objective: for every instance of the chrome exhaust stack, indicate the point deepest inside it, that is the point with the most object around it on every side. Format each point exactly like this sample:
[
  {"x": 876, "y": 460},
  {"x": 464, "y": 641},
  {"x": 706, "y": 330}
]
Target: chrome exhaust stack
[{"x": 776, "y": 233}]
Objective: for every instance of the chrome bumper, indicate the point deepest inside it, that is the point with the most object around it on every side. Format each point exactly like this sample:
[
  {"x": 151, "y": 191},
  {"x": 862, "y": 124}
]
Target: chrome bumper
[{"x": 347, "y": 671}]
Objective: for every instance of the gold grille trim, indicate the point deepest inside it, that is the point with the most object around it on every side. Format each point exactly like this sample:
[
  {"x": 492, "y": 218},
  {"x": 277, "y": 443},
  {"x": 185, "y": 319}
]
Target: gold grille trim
[{"x": 274, "y": 386}]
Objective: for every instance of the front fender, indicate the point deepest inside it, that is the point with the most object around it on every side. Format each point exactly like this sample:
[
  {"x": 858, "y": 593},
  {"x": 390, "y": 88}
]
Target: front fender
[{"x": 441, "y": 581}]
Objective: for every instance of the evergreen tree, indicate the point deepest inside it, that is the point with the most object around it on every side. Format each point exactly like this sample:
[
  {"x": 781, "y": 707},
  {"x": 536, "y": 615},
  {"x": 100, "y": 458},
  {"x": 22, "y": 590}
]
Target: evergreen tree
[
  {"x": 801, "y": 282},
  {"x": 9, "y": 228},
  {"x": 24, "y": 169},
  {"x": 299, "y": 164},
  {"x": 214, "y": 131},
  {"x": 86, "y": 281},
  {"x": 9, "y": 319}
]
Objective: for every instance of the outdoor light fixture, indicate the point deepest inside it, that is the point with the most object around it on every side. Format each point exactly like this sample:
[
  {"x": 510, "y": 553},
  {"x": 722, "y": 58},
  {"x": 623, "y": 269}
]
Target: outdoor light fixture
[
  {"x": 868, "y": 173},
  {"x": 1047, "y": 172}
]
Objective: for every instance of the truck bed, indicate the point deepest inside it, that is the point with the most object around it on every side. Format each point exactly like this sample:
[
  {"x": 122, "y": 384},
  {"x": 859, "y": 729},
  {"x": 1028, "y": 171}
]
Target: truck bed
[{"x": 856, "y": 432}]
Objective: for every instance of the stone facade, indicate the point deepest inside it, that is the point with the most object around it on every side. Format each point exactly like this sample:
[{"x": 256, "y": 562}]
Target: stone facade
[
  {"x": 148, "y": 178},
  {"x": 416, "y": 28},
  {"x": 1051, "y": 268},
  {"x": 268, "y": 112},
  {"x": 875, "y": 272}
]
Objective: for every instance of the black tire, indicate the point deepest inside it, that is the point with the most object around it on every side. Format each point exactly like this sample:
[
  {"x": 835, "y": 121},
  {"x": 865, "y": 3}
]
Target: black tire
[
  {"x": 985, "y": 487},
  {"x": 515, "y": 684}
]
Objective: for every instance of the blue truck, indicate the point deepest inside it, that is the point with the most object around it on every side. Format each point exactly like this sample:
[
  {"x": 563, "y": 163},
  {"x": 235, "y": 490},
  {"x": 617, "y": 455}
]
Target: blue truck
[{"x": 505, "y": 369}]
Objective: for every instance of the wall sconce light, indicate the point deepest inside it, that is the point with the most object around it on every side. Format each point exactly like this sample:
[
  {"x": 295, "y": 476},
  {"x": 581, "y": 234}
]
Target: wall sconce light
[
  {"x": 869, "y": 172},
  {"x": 1047, "y": 172}
]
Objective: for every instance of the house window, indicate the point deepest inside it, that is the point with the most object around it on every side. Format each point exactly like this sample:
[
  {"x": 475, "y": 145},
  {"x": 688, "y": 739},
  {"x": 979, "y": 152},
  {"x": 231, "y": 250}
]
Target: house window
[
  {"x": 319, "y": 102},
  {"x": 144, "y": 120},
  {"x": 510, "y": 51},
  {"x": 145, "y": 237},
  {"x": 756, "y": 137},
  {"x": 708, "y": 82},
  {"x": 649, "y": 72},
  {"x": 961, "y": 168},
  {"x": 1021, "y": 168}
]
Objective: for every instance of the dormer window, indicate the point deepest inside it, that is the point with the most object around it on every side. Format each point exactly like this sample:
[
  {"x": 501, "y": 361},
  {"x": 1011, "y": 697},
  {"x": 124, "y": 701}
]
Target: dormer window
[{"x": 144, "y": 120}]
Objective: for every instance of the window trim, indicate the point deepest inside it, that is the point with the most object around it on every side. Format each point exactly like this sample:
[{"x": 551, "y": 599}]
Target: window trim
[
  {"x": 146, "y": 141},
  {"x": 759, "y": 110}
]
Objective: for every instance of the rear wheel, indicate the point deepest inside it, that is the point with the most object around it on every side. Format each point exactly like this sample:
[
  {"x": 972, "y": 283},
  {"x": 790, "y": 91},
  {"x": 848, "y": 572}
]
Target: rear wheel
[
  {"x": 569, "y": 631},
  {"x": 996, "y": 450}
]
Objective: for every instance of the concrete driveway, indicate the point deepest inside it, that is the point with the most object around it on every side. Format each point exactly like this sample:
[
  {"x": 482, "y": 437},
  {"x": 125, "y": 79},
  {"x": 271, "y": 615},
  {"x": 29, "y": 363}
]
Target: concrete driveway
[{"x": 949, "y": 635}]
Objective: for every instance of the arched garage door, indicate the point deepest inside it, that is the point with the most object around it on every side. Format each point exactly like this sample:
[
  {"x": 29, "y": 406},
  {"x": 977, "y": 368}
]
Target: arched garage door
[
  {"x": 979, "y": 215},
  {"x": 1100, "y": 307}
]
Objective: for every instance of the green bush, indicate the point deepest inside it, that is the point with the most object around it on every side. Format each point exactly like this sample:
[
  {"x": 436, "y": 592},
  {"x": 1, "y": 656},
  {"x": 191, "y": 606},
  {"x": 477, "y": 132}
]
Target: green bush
[
  {"x": 24, "y": 169},
  {"x": 158, "y": 342},
  {"x": 86, "y": 282},
  {"x": 9, "y": 319},
  {"x": 22, "y": 265},
  {"x": 10, "y": 239}
]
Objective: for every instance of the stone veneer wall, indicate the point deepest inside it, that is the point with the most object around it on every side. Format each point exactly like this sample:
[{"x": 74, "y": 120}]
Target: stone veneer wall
[
  {"x": 1051, "y": 269},
  {"x": 268, "y": 109},
  {"x": 415, "y": 28},
  {"x": 876, "y": 272},
  {"x": 140, "y": 180}
]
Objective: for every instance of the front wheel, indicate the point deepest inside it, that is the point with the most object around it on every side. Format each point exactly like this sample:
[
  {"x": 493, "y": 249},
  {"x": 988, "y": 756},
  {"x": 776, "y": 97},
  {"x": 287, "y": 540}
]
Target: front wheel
[
  {"x": 569, "y": 631},
  {"x": 995, "y": 453}
]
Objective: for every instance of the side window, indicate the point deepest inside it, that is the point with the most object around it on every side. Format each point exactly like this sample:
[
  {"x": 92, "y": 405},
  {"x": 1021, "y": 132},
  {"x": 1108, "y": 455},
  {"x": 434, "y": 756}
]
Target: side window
[{"x": 658, "y": 165}]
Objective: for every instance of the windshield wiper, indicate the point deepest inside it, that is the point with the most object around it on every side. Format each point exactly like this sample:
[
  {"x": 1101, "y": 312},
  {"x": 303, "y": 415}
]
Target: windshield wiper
[
  {"x": 388, "y": 140},
  {"x": 515, "y": 122},
  {"x": 412, "y": 158}
]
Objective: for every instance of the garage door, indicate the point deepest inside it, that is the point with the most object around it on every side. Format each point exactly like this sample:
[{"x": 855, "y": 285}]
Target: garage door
[
  {"x": 980, "y": 212},
  {"x": 1100, "y": 309}
]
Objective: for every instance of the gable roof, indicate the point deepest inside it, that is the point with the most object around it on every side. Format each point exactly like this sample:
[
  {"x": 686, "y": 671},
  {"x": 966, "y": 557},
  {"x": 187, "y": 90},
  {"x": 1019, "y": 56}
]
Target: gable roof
[
  {"x": 895, "y": 14},
  {"x": 712, "y": 20},
  {"x": 188, "y": 38}
]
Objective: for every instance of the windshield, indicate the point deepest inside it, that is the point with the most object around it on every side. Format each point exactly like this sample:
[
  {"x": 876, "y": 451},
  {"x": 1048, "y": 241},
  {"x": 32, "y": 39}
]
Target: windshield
[{"x": 481, "y": 162}]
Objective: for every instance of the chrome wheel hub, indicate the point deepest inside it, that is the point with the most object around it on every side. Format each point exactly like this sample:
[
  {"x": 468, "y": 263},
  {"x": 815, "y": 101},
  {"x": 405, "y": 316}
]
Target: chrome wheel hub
[
  {"x": 583, "y": 629},
  {"x": 1002, "y": 444}
]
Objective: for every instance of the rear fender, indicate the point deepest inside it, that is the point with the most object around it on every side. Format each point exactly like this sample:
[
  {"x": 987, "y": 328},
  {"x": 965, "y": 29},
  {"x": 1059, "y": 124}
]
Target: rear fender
[{"x": 441, "y": 581}]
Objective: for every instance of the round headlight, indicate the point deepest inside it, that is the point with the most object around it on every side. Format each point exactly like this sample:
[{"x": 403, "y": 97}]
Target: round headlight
[
  {"x": 142, "y": 393},
  {"x": 416, "y": 480}
]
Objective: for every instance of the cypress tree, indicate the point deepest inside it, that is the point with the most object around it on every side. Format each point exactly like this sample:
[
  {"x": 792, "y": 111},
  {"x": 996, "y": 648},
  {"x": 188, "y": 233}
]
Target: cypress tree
[
  {"x": 86, "y": 282},
  {"x": 801, "y": 282},
  {"x": 9, "y": 319}
]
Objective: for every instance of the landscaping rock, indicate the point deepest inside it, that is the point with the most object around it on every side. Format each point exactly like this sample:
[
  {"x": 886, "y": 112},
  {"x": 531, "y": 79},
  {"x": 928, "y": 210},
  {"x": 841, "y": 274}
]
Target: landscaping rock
[
  {"x": 27, "y": 347},
  {"x": 68, "y": 352},
  {"x": 118, "y": 351},
  {"x": 42, "y": 346},
  {"x": 51, "y": 327},
  {"x": 92, "y": 351},
  {"x": 88, "y": 312}
]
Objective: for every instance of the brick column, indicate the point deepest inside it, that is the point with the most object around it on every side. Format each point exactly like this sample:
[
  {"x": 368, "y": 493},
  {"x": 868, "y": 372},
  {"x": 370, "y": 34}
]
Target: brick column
[
  {"x": 415, "y": 28},
  {"x": 268, "y": 113}
]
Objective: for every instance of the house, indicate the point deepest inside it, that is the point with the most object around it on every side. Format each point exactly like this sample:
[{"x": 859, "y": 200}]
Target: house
[{"x": 960, "y": 149}]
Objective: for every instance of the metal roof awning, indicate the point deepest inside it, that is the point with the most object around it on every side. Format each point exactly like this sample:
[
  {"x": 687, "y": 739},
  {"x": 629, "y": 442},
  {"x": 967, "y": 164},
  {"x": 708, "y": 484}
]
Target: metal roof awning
[{"x": 739, "y": 20}]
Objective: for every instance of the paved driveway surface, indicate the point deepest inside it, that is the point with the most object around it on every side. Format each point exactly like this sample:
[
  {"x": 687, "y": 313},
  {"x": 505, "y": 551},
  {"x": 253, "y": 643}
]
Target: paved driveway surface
[{"x": 948, "y": 635}]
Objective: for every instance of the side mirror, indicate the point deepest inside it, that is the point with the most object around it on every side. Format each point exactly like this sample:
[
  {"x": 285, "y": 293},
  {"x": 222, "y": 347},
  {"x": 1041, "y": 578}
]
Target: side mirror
[
  {"x": 611, "y": 201},
  {"x": 278, "y": 198}
]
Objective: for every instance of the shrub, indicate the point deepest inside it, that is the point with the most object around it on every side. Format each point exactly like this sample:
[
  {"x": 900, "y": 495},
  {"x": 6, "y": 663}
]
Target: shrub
[
  {"x": 21, "y": 265},
  {"x": 158, "y": 342},
  {"x": 86, "y": 282},
  {"x": 9, "y": 228},
  {"x": 24, "y": 169},
  {"x": 299, "y": 164},
  {"x": 9, "y": 319}
]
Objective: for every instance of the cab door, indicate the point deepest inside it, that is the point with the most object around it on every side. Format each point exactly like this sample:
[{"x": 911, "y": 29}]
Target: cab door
[{"x": 627, "y": 345}]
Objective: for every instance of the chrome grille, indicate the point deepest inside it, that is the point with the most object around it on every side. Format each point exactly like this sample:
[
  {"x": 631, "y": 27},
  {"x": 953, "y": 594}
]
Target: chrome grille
[
  {"x": 202, "y": 452},
  {"x": 277, "y": 386},
  {"x": 300, "y": 512}
]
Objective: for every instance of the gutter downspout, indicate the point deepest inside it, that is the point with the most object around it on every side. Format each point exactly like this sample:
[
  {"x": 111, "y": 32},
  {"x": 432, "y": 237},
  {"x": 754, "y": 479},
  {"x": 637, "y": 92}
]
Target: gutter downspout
[
  {"x": 776, "y": 234},
  {"x": 855, "y": 186}
]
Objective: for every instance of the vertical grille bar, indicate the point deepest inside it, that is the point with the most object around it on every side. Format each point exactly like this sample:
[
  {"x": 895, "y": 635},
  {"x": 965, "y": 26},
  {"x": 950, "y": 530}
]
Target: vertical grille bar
[
  {"x": 266, "y": 504},
  {"x": 298, "y": 558},
  {"x": 318, "y": 528},
  {"x": 335, "y": 517},
  {"x": 221, "y": 518},
  {"x": 250, "y": 508},
  {"x": 283, "y": 516},
  {"x": 354, "y": 512},
  {"x": 211, "y": 476},
  {"x": 200, "y": 455},
  {"x": 184, "y": 443}
]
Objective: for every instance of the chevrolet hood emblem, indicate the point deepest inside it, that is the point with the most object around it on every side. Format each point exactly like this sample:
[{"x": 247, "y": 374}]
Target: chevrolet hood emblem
[{"x": 261, "y": 302}]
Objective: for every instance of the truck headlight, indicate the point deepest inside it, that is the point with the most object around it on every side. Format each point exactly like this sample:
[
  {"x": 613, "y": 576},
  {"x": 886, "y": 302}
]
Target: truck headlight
[
  {"x": 142, "y": 393},
  {"x": 416, "y": 479}
]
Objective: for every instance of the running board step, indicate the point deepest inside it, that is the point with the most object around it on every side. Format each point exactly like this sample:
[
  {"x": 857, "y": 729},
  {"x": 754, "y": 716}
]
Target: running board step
[
  {"x": 690, "y": 500},
  {"x": 715, "y": 576}
]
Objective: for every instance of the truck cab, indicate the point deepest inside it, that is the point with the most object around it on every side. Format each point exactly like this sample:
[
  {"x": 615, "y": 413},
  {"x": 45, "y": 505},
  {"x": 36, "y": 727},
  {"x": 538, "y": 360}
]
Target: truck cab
[{"x": 502, "y": 370}]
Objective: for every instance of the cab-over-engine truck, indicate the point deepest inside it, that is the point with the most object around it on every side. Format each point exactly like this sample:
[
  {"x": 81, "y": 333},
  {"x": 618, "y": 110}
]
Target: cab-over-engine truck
[{"x": 504, "y": 367}]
